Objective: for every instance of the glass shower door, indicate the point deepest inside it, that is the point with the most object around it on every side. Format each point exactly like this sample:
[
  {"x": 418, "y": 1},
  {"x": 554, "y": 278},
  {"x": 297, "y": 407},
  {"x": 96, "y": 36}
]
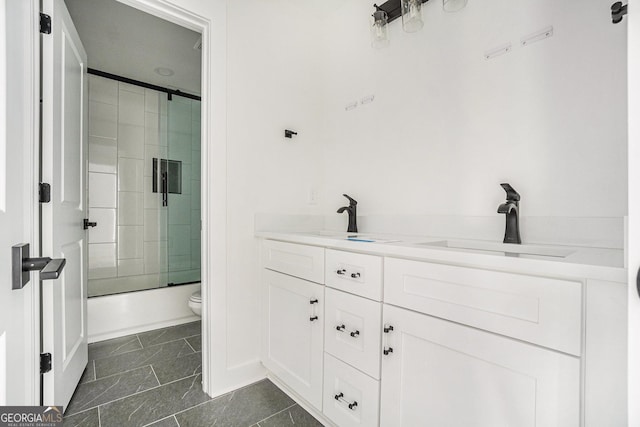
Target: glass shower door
[{"x": 181, "y": 185}]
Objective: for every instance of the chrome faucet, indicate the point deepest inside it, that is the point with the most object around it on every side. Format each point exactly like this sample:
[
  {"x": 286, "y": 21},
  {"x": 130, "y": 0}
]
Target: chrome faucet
[
  {"x": 511, "y": 208},
  {"x": 351, "y": 210}
]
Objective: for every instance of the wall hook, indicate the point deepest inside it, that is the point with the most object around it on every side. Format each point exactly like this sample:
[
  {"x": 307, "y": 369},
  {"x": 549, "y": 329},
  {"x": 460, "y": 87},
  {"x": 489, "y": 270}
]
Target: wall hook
[
  {"x": 618, "y": 11},
  {"x": 288, "y": 133}
]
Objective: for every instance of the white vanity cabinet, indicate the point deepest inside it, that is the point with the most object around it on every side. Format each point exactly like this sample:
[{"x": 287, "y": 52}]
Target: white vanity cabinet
[
  {"x": 293, "y": 317},
  {"x": 441, "y": 373},
  {"x": 391, "y": 341}
]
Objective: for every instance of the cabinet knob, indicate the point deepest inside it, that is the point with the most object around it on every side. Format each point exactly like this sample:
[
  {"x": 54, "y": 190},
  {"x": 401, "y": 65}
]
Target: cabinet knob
[
  {"x": 340, "y": 328},
  {"x": 341, "y": 272},
  {"x": 355, "y": 275},
  {"x": 313, "y": 301},
  {"x": 387, "y": 350},
  {"x": 355, "y": 334},
  {"x": 387, "y": 329},
  {"x": 313, "y": 318}
]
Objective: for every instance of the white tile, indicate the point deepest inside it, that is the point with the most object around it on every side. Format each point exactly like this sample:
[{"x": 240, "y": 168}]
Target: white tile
[
  {"x": 105, "y": 230},
  {"x": 103, "y": 90},
  {"x": 179, "y": 209},
  {"x": 151, "y": 200},
  {"x": 130, "y": 141},
  {"x": 164, "y": 132},
  {"x": 196, "y": 143},
  {"x": 151, "y": 152},
  {"x": 151, "y": 129},
  {"x": 195, "y": 199},
  {"x": 195, "y": 253},
  {"x": 130, "y": 108},
  {"x": 102, "y": 190},
  {"x": 130, "y": 241},
  {"x": 195, "y": 111},
  {"x": 130, "y": 175},
  {"x": 179, "y": 117},
  {"x": 130, "y": 208},
  {"x": 186, "y": 178},
  {"x": 180, "y": 147},
  {"x": 102, "y": 260},
  {"x": 195, "y": 224},
  {"x": 155, "y": 225},
  {"x": 195, "y": 164},
  {"x": 155, "y": 257},
  {"x": 131, "y": 88},
  {"x": 103, "y": 120},
  {"x": 103, "y": 155},
  {"x": 164, "y": 105},
  {"x": 180, "y": 240},
  {"x": 152, "y": 101},
  {"x": 179, "y": 262},
  {"x": 130, "y": 267}
]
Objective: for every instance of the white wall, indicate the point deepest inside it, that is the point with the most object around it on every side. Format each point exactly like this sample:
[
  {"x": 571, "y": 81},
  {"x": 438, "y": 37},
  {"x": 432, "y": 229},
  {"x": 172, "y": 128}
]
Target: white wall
[{"x": 447, "y": 126}]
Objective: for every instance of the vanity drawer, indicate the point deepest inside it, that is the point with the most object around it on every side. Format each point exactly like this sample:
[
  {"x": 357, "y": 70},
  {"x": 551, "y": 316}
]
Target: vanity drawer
[
  {"x": 352, "y": 330},
  {"x": 305, "y": 262},
  {"x": 350, "y": 398},
  {"x": 355, "y": 273},
  {"x": 540, "y": 310}
]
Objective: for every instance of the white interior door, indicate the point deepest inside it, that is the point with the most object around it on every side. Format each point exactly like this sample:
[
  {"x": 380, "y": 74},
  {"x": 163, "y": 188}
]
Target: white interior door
[
  {"x": 633, "y": 253},
  {"x": 64, "y": 146},
  {"x": 19, "y": 44}
]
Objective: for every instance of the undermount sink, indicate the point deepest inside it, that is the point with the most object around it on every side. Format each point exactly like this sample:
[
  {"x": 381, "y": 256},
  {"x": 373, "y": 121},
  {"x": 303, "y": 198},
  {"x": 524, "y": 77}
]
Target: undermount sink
[{"x": 505, "y": 248}]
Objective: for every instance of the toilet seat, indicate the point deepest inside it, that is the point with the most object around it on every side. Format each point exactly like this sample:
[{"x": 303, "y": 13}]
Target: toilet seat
[
  {"x": 195, "y": 297},
  {"x": 195, "y": 303}
]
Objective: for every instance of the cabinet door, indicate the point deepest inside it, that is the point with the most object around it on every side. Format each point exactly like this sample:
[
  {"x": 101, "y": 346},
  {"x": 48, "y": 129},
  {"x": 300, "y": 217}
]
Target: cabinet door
[
  {"x": 441, "y": 373},
  {"x": 292, "y": 339}
]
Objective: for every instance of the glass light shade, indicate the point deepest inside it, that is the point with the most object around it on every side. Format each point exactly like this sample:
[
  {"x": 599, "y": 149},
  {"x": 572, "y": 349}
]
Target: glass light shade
[
  {"x": 379, "y": 30},
  {"x": 453, "y": 5},
  {"x": 412, "y": 15}
]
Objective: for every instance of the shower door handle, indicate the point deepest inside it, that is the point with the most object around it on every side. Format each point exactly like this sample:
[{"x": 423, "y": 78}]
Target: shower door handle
[{"x": 165, "y": 189}]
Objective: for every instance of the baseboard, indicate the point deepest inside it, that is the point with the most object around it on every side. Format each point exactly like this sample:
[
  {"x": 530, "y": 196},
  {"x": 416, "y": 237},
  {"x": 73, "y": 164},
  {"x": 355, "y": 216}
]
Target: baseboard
[{"x": 141, "y": 328}]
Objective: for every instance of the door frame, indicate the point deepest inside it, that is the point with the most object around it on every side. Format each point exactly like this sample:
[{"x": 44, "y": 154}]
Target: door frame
[
  {"x": 215, "y": 377},
  {"x": 28, "y": 86},
  {"x": 633, "y": 229}
]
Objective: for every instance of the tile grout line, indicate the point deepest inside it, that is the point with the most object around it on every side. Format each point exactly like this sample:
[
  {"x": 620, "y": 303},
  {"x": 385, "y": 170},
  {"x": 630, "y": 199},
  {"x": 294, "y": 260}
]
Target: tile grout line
[
  {"x": 142, "y": 347},
  {"x": 176, "y": 420},
  {"x": 155, "y": 375},
  {"x": 99, "y": 420},
  {"x": 279, "y": 412},
  {"x": 139, "y": 392},
  {"x": 190, "y": 346},
  {"x": 95, "y": 374}
]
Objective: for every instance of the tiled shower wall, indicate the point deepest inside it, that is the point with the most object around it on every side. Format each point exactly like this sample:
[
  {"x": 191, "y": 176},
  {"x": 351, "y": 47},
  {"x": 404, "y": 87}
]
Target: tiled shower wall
[{"x": 135, "y": 245}]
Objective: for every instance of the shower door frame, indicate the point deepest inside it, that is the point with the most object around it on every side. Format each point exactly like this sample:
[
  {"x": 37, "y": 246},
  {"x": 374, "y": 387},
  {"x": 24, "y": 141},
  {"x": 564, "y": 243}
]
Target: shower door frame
[{"x": 213, "y": 179}]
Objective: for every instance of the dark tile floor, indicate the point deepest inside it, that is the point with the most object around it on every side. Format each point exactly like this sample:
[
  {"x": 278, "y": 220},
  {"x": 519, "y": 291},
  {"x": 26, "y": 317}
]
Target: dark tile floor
[{"x": 154, "y": 379}]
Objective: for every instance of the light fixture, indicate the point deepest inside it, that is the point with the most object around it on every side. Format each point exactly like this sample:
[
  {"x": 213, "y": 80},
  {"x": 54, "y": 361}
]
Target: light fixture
[
  {"x": 164, "y": 72},
  {"x": 379, "y": 29},
  {"x": 411, "y": 13},
  {"x": 453, "y": 5}
]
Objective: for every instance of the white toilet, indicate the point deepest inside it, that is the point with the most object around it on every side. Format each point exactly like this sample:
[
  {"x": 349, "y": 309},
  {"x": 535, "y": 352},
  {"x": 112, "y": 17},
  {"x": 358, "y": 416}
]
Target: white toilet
[{"x": 195, "y": 303}]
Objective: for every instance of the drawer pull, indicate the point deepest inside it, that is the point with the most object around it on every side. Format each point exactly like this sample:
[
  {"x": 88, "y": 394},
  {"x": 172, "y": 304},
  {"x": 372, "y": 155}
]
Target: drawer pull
[
  {"x": 341, "y": 272},
  {"x": 312, "y": 318},
  {"x": 355, "y": 334},
  {"x": 387, "y": 350},
  {"x": 388, "y": 329},
  {"x": 340, "y": 328},
  {"x": 355, "y": 275},
  {"x": 313, "y": 301},
  {"x": 340, "y": 398}
]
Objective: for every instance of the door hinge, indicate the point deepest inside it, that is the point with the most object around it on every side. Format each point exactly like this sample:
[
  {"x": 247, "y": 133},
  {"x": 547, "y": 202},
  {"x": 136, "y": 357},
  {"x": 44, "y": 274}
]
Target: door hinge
[
  {"x": 45, "y": 23},
  {"x": 44, "y": 193},
  {"x": 45, "y": 363}
]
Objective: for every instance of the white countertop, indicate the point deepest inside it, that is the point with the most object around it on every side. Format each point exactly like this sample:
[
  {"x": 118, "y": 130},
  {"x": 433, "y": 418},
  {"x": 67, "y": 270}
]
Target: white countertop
[{"x": 582, "y": 262}]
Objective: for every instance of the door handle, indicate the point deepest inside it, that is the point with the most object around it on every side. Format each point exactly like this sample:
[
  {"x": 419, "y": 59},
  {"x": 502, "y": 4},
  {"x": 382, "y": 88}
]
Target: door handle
[
  {"x": 22, "y": 264},
  {"x": 86, "y": 224}
]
